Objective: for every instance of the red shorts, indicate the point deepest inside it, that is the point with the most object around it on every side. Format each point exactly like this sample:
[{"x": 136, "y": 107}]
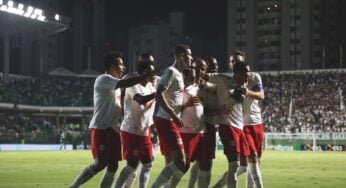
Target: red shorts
[
  {"x": 254, "y": 137},
  {"x": 106, "y": 142},
  {"x": 233, "y": 140},
  {"x": 169, "y": 136},
  {"x": 191, "y": 142},
  {"x": 136, "y": 147},
  {"x": 206, "y": 148}
]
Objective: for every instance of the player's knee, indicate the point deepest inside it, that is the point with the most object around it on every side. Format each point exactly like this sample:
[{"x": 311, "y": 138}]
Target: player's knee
[
  {"x": 148, "y": 160},
  {"x": 99, "y": 165},
  {"x": 233, "y": 157},
  {"x": 204, "y": 165},
  {"x": 112, "y": 167},
  {"x": 253, "y": 157},
  {"x": 133, "y": 163}
]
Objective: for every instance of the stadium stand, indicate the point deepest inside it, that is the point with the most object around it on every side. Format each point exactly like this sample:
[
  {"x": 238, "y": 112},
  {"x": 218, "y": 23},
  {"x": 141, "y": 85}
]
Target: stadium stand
[{"x": 296, "y": 102}]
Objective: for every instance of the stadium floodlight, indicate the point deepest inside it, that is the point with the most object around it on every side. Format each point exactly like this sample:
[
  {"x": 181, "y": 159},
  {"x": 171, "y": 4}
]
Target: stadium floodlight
[
  {"x": 10, "y": 4},
  {"x": 28, "y": 12},
  {"x": 57, "y": 17},
  {"x": 3, "y": 8},
  {"x": 30, "y": 9},
  {"x": 33, "y": 16},
  {"x": 38, "y": 12},
  {"x": 20, "y": 6},
  {"x": 41, "y": 18}
]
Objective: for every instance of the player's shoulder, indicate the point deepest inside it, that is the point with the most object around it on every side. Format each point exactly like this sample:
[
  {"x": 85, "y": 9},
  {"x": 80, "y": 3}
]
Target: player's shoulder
[{"x": 255, "y": 76}]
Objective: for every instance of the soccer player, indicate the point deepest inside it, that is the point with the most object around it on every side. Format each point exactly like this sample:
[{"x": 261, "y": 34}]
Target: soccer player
[
  {"x": 105, "y": 138},
  {"x": 146, "y": 56},
  {"x": 169, "y": 96},
  {"x": 231, "y": 124},
  {"x": 213, "y": 66},
  {"x": 201, "y": 170},
  {"x": 253, "y": 126},
  {"x": 135, "y": 128}
]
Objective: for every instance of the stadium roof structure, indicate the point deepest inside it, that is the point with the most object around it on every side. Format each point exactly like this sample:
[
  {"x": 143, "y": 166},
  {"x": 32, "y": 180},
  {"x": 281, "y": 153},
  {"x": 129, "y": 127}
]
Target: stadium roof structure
[
  {"x": 61, "y": 71},
  {"x": 19, "y": 18},
  {"x": 89, "y": 73}
]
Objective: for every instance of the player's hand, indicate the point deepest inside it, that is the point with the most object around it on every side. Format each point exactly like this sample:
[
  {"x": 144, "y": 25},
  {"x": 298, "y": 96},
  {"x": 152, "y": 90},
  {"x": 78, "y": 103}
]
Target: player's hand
[
  {"x": 193, "y": 101},
  {"x": 244, "y": 90}
]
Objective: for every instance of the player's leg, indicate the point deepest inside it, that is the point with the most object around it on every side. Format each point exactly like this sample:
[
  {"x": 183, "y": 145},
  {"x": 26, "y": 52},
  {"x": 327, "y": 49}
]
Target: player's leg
[
  {"x": 194, "y": 170},
  {"x": 131, "y": 151},
  {"x": 131, "y": 179},
  {"x": 170, "y": 144},
  {"x": 204, "y": 155},
  {"x": 114, "y": 155},
  {"x": 145, "y": 173},
  {"x": 127, "y": 170},
  {"x": 100, "y": 154},
  {"x": 204, "y": 174},
  {"x": 254, "y": 170},
  {"x": 179, "y": 166},
  {"x": 230, "y": 137},
  {"x": 146, "y": 157}
]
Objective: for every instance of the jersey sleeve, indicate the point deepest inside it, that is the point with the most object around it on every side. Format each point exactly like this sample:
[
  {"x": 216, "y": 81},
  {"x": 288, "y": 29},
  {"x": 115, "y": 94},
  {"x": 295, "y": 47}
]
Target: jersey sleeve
[
  {"x": 167, "y": 78},
  {"x": 106, "y": 83},
  {"x": 257, "y": 83}
]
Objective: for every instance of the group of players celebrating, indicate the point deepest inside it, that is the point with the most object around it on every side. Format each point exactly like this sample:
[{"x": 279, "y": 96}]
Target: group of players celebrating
[{"x": 186, "y": 105}]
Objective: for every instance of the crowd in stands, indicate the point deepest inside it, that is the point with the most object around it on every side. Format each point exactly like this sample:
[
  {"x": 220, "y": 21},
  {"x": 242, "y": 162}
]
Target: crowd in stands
[
  {"x": 314, "y": 99},
  {"x": 49, "y": 91},
  {"x": 294, "y": 102}
]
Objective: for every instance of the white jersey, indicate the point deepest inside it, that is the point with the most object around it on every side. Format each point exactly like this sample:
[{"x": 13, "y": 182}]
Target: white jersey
[
  {"x": 107, "y": 110},
  {"x": 172, "y": 80},
  {"x": 209, "y": 100},
  {"x": 192, "y": 116},
  {"x": 138, "y": 118},
  {"x": 225, "y": 85},
  {"x": 251, "y": 108}
]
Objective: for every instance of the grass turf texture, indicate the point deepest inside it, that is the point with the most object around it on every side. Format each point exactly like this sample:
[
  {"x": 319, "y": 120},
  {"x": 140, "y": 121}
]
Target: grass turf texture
[{"x": 279, "y": 169}]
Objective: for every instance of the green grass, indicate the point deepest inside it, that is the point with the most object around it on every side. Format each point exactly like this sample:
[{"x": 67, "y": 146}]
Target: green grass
[{"x": 279, "y": 169}]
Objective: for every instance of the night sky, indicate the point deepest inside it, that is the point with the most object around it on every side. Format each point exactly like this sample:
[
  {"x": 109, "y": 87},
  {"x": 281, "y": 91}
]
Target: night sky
[{"x": 205, "y": 19}]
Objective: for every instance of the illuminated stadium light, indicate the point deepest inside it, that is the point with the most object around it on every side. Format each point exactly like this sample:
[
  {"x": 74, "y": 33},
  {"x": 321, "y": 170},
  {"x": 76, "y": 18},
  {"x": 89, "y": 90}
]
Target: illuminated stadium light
[
  {"x": 33, "y": 16},
  {"x": 57, "y": 17},
  {"x": 3, "y": 8},
  {"x": 38, "y": 12},
  {"x": 29, "y": 11},
  {"x": 10, "y": 4},
  {"x": 20, "y": 6},
  {"x": 41, "y": 18},
  {"x": 26, "y": 11}
]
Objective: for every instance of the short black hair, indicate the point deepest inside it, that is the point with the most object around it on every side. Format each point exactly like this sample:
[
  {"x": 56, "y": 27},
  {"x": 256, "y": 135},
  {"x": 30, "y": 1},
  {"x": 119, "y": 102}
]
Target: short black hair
[
  {"x": 209, "y": 59},
  {"x": 237, "y": 52},
  {"x": 110, "y": 58},
  {"x": 145, "y": 56},
  {"x": 181, "y": 48},
  {"x": 143, "y": 65},
  {"x": 240, "y": 66}
]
